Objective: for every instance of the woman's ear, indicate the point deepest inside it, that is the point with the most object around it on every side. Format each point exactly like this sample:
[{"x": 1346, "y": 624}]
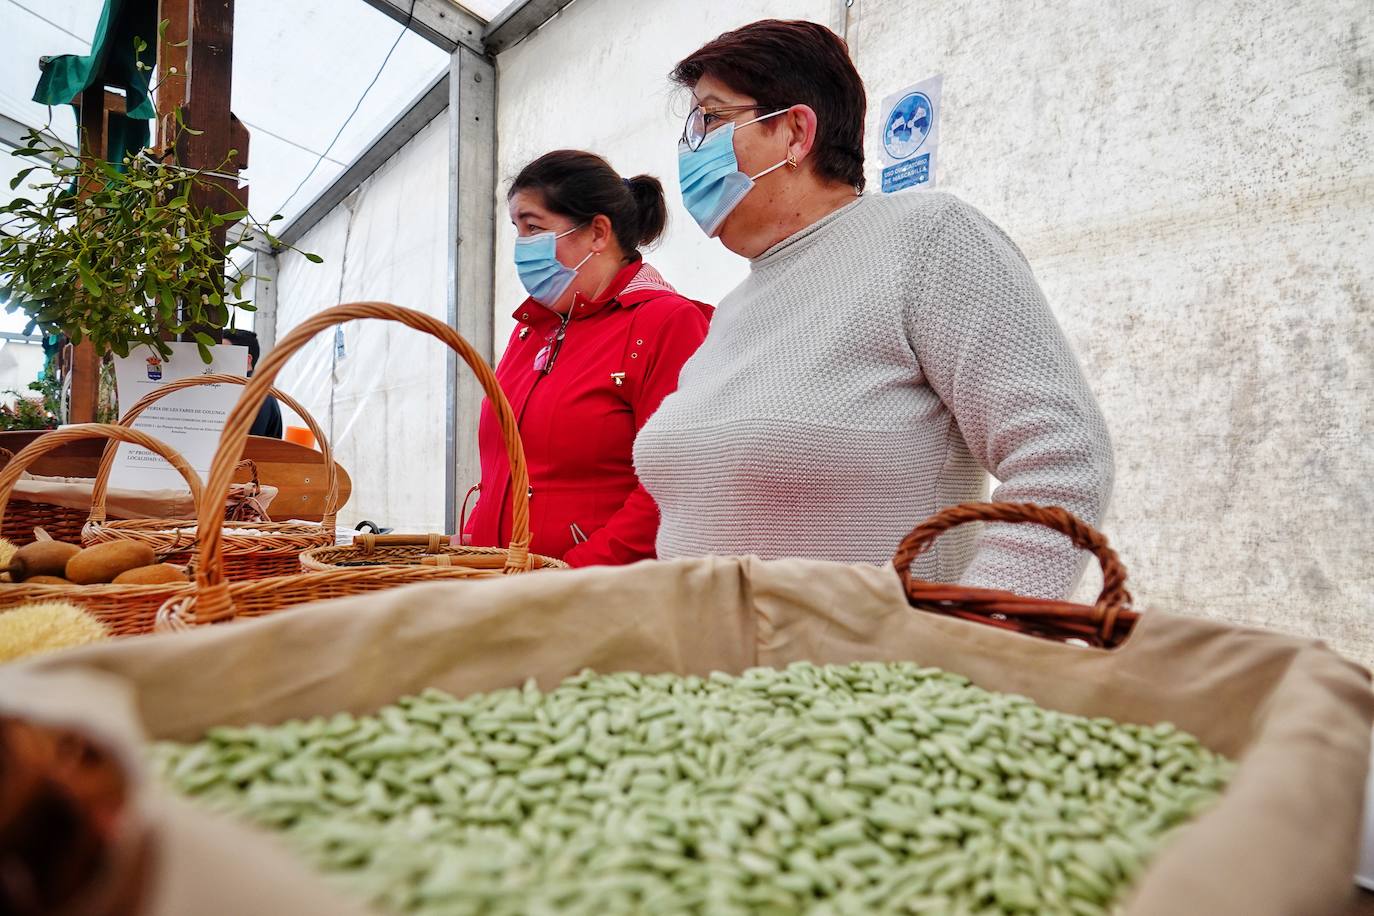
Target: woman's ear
[
  {"x": 603, "y": 233},
  {"x": 800, "y": 122}
]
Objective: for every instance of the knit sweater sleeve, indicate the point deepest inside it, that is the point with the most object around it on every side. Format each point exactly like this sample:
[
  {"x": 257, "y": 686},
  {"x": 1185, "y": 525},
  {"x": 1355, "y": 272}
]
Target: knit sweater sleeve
[{"x": 989, "y": 346}]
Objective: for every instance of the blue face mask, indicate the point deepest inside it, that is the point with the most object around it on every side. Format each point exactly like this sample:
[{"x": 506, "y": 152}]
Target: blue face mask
[
  {"x": 712, "y": 184},
  {"x": 545, "y": 277}
]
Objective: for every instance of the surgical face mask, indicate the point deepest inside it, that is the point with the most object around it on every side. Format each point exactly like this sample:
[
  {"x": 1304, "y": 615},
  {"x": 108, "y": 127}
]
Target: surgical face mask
[
  {"x": 712, "y": 184},
  {"x": 545, "y": 277}
]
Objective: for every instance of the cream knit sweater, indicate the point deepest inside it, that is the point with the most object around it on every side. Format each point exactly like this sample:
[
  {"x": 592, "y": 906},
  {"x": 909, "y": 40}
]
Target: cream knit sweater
[{"x": 870, "y": 370}]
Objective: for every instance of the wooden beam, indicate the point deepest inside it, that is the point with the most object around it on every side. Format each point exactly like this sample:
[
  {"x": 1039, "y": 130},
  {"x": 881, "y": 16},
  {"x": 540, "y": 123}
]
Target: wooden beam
[
  {"x": 113, "y": 101},
  {"x": 85, "y": 363},
  {"x": 208, "y": 88},
  {"x": 172, "y": 73}
]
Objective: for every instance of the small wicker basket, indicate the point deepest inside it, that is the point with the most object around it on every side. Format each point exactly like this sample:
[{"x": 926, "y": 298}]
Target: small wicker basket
[
  {"x": 124, "y": 609},
  {"x": 252, "y": 549},
  {"x": 216, "y": 599}
]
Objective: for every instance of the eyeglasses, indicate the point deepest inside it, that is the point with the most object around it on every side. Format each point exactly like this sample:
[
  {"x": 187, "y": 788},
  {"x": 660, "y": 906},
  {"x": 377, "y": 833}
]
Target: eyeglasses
[{"x": 699, "y": 122}]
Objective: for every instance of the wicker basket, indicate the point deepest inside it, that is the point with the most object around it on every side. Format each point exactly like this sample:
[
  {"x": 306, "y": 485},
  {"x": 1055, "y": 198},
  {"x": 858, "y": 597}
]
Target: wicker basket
[
  {"x": 216, "y": 599},
  {"x": 275, "y": 547},
  {"x": 1105, "y": 624},
  {"x": 412, "y": 550},
  {"x": 124, "y": 609},
  {"x": 62, "y": 523}
]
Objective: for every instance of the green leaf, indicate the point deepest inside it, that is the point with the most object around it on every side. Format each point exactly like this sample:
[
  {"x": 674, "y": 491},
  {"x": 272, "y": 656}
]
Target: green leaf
[
  {"x": 312, "y": 257},
  {"x": 205, "y": 339},
  {"x": 88, "y": 279},
  {"x": 205, "y": 355},
  {"x": 19, "y": 178}
]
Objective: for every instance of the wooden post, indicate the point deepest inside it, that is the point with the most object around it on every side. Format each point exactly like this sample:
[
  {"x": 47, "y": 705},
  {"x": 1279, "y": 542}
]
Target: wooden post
[
  {"x": 202, "y": 87},
  {"x": 85, "y": 365},
  {"x": 172, "y": 74}
]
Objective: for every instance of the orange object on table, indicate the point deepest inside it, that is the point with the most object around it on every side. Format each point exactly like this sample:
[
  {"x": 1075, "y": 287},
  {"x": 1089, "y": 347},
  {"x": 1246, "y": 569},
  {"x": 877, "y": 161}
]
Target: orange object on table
[{"x": 300, "y": 435}]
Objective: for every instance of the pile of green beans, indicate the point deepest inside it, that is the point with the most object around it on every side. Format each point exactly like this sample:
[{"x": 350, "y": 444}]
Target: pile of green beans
[{"x": 870, "y": 787}]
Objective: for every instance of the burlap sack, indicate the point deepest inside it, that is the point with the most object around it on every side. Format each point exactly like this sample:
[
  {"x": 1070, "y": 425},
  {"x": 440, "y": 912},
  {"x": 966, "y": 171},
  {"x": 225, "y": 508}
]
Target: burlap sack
[{"x": 1281, "y": 841}]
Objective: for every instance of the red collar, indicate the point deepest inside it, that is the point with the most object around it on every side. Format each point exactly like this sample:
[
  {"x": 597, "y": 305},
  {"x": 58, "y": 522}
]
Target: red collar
[{"x": 627, "y": 288}]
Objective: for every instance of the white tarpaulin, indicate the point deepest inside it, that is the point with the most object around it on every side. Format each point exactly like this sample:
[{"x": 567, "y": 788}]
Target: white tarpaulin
[{"x": 380, "y": 396}]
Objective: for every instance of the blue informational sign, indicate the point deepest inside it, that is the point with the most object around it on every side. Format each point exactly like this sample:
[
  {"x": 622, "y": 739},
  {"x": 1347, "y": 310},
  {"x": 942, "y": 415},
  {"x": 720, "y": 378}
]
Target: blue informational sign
[{"x": 911, "y": 136}]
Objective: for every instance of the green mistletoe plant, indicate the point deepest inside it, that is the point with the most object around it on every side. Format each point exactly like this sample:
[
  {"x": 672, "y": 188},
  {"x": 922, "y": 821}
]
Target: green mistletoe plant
[{"x": 132, "y": 262}]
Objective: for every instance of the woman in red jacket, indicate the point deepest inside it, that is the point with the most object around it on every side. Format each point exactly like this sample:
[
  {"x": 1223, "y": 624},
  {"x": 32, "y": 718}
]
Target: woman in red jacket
[{"x": 596, "y": 347}]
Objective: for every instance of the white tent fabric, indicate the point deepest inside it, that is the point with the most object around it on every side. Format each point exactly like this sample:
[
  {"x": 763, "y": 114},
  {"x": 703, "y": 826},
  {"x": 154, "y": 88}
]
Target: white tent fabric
[{"x": 382, "y": 401}]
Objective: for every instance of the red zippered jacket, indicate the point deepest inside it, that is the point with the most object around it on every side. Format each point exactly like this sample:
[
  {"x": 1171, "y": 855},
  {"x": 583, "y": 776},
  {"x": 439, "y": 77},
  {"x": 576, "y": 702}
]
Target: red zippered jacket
[{"x": 618, "y": 358}]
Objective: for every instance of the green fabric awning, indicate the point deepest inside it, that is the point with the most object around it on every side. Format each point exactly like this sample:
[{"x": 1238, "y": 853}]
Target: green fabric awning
[{"x": 113, "y": 61}]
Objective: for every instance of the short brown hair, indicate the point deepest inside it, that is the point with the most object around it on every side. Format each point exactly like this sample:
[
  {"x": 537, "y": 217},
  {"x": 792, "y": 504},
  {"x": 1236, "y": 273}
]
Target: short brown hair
[{"x": 781, "y": 63}]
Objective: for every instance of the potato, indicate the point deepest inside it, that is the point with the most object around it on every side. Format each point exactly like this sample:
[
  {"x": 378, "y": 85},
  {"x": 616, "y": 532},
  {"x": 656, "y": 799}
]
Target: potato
[
  {"x": 41, "y": 558},
  {"x": 103, "y": 562},
  {"x": 162, "y": 573},
  {"x": 46, "y": 580}
]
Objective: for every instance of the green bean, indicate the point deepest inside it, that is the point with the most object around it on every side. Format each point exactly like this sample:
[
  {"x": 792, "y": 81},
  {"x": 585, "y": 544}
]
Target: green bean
[{"x": 866, "y": 787}]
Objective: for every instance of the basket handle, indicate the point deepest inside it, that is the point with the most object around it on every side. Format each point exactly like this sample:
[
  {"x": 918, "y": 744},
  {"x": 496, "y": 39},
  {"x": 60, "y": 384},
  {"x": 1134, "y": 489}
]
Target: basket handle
[
  {"x": 1106, "y": 622},
  {"x": 369, "y": 541},
  {"x": 57, "y": 438},
  {"x": 212, "y": 591},
  {"x": 107, "y": 459}
]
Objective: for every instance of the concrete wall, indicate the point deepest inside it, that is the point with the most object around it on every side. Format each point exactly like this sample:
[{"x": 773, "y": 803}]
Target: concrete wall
[
  {"x": 1193, "y": 185},
  {"x": 383, "y": 402}
]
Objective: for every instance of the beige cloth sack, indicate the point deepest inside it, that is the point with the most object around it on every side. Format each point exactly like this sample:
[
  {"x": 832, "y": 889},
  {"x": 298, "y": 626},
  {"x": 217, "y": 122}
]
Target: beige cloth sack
[{"x": 1281, "y": 841}]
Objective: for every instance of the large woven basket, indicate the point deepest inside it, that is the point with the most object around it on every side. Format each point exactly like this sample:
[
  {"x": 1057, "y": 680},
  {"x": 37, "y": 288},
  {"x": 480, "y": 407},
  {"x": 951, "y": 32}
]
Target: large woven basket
[
  {"x": 1106, "y": 623},
  {"x": 124, "y": 609},
  {"x": 252, "y": 550},
  {"x": 216, "y": 599}
]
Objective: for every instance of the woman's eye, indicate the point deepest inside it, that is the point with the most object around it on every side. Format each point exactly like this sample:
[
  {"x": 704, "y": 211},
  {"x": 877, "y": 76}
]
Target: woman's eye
[{"x": 709, "y": 119}]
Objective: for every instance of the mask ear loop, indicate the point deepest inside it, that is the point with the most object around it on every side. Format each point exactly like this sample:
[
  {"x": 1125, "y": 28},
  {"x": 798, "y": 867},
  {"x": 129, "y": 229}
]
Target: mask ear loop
[
  {"x": 790, "y": 160},
  {"x": 590, "y": 255},
  {"x": 773, "y": 168}
]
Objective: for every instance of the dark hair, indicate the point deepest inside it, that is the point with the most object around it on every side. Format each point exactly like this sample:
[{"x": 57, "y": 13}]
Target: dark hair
[
  {"x": 243, "y": 339},
  {"x": 580, "y": 185},
  {"x": 784, "y": 63}
]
